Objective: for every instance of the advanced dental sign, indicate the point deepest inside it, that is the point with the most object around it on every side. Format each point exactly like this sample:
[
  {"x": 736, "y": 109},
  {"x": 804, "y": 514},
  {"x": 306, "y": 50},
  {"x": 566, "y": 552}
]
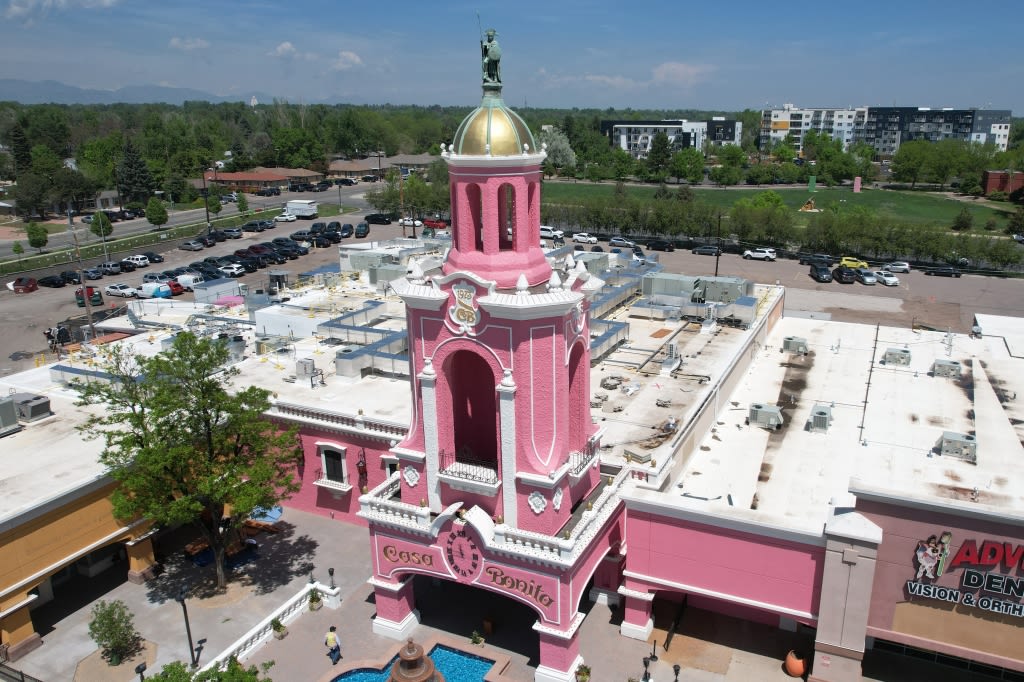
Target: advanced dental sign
[{"x": 931, "y": 558}]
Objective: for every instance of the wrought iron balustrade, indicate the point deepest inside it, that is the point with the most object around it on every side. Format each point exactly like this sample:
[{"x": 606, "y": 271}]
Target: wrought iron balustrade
[{"x": 468, "y": 469}]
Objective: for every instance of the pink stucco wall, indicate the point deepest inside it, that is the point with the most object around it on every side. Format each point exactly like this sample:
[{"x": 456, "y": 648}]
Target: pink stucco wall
[{"x": 776, "y": 573}]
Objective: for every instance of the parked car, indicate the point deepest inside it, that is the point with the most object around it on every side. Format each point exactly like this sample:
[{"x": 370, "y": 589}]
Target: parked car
[
  {"x": 377, "y": 218},
  {"x": 157, "y": 277},
  {"x": 661, "y": 245},
  {"x": 153, "y": 256},
  {"x": 844, "y": 275},
  {"x": 92, "y": 273},
  {"x": 232, "y": 232},
  {"x": 584, "y": 238},
  {"x": 71, "y": 277},
  {"x": 51, "y": 281},
  {"x": 897, "y": 266},
  {"x": 887, "y": 278},
  {"x": 268, "y": 224},
  {"x": 285, "y": 218},
  {"x": 618, "y": 241},
  {"x": 362, "y": 230},
  {"x": 852, "y": 262},
  {"x": 319, "y": 241},
  {"x": 128, "y": 266},
  {"x": 809, "y": 258},
  {"x": 269, "y": 192},
  {"x": 819, "y": 272},
  {"x": 345, "y": 181},
  {"x": 252, "y": 226},
  {"x": 232, "y": 270},
  {"x": 139, "y": 260},
  {"x": 707, "y": 250},
  {"x": 206, "y": 241},
  {"x": 317, "y": 228},
  {"x": 410, "y": 222},
  {"x": 110, "y": 268},
  {"x": 865, "y": 276},
  {"x": 759, "y": 254},
  {"x": 188, "y": 281},
  {"x": 176, "y": 289},
  {"x": 121, "y": 289},
  {"x": 347, "y": 230},
  {"x": 192, "y": 245},
  {"x": 23, "y": 285},
  {"x": 943, "y": 271},
  {"x": 597, "y": 248},
  {"x": 301, "y": 236},
  {"x": 249, "y": 263},
  {"x": 155, "y": 290},
  {"x": 218, "y": 235}
]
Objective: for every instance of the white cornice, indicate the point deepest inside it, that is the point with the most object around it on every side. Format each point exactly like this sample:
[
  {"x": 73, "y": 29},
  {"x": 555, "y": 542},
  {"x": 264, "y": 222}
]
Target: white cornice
[{"x": 535, "y": 306}]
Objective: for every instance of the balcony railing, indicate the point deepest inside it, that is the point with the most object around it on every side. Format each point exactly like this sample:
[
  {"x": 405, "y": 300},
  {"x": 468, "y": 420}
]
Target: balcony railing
[
  {"x": 476, "y": 470},
  {"x": 323, "y": 481}
]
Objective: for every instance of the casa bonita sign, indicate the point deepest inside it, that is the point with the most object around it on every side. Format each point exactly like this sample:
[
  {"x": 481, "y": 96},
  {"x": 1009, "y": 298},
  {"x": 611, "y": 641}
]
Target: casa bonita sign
[{"x": 932, "y": 560}]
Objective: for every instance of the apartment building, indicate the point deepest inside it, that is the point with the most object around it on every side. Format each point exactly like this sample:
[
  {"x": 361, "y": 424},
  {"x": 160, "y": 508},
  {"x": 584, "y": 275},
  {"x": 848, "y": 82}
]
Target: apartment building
[
  {"x": 794, "y": 122},
  {"x": 636, "y": 137}
]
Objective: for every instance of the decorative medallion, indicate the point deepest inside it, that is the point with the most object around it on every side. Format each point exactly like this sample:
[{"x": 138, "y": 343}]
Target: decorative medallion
[
  {"x": 537, "y": 502},
  {"x": 463, "y": 555},
  {"x": 578, "y": 318},
  {"x": 411, "y": 475},
  {"x": 556, "y": 499},
  {"x": 465, "y": 312}
]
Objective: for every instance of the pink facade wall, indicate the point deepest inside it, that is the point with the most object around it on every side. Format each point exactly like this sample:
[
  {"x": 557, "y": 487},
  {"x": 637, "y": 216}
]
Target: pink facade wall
[
  {"x": 776, "y": 573},
  {"x": 323, "y": 501}
]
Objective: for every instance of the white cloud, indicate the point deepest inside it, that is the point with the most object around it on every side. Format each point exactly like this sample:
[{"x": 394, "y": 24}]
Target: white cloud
[
  {"x": 287, "y": 51},
  {"x": 677, "y": 73},
  {"x": 346, "y": 60},
  {"x": 187, "y": 44},
  {"x": 28, "y": 8}
]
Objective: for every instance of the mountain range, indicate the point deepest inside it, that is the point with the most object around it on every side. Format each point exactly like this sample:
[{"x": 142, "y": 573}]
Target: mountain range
[{"x": 54, "y": 92}]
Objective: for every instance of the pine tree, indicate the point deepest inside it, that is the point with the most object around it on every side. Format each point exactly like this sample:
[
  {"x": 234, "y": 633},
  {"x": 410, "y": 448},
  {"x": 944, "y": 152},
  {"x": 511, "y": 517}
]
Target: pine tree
[
  {"x": 133, "y": 176},
  {"x": 21, "y": 149}
]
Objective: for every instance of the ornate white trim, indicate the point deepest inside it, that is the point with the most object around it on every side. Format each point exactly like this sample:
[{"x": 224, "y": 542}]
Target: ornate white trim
[
  {"x": 537, "y": 502},
  {"x": 411, "y": 476},
  {"x": 556, "y": 500}
]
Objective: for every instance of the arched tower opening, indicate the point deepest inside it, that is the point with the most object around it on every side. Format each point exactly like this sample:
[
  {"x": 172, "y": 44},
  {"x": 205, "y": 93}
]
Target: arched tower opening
[
  {"x": 474, "y": 408},
  {"x": 578, "y": 399}
]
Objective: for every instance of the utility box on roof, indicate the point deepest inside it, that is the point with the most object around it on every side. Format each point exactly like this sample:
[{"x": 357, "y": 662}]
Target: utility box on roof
[
  {"x": 765, "y": 416},
  {"x": 959, "y": 445},
  {"x": 795, "y": 344},
  {"x": 946, "y": 368},
  {"x": 897, "y": 356}
]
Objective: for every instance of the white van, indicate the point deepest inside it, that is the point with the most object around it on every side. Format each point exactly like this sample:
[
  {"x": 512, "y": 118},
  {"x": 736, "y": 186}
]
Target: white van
[
  {"x": 154, "y": 290},
  {"x": 189, "y": 281}
]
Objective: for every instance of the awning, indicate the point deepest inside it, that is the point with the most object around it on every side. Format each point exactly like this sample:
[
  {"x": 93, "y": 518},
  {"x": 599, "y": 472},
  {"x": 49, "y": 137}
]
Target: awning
[{"x": 272, "y": 515}]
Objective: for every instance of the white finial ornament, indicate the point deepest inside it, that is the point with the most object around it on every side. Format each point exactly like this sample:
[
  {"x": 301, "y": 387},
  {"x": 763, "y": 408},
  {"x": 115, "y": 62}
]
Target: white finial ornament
[
  {"x": 555, "y": 283},
  {"x": 522, "y": 286}
]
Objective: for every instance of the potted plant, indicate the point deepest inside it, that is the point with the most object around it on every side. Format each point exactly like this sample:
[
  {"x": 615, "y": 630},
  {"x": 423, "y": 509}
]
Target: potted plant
[
  {"x": 476, "y": 638},
  {"x": 280, "y": 631},
  {"x": 796, "y": 664},
  {"x": 315, "y": 600},
  {"x": 582, "y": 672},
  {"x": 113, "y": 629}
]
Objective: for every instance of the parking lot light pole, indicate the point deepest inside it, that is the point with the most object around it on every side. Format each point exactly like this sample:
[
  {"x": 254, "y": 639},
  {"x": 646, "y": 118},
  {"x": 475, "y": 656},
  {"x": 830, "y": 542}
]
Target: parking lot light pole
[
  {"x": 718, "y": 251},
  {"x": 206, "y": 205},
  {"x": 188, "y": 629}
]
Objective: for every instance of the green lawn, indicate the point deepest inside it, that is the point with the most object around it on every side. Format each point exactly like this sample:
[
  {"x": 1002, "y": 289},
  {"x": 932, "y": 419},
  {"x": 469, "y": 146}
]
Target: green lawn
[{"x": 905, "y": 207}]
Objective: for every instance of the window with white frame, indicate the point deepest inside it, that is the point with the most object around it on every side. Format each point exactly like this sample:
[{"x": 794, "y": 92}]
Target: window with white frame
[{"x": 333, "y": 467}]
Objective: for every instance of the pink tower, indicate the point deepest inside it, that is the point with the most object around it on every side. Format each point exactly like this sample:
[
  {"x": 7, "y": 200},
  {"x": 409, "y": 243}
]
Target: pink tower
[{"x": 498, "y": 483}]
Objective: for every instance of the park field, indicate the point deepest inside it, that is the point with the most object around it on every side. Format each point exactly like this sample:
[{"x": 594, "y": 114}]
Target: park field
[{"x": 895, "y": 205}]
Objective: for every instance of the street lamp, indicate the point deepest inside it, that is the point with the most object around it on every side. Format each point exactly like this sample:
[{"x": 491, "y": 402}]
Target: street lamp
[
  {"x": 647, "y": 675},
  {"x": 206, "y": 205},
  {"x": 330, "y": 572},
  {"x": 676, "y": 668},
  {"x": 188, "y": 629},
  {"x": 718, "y": 251},
  {"x": 140, "y": 669}
]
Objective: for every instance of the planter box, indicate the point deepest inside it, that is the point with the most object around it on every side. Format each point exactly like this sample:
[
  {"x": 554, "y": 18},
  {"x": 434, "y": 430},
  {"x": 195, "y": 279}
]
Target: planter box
[{"x": 280, "y": 634}]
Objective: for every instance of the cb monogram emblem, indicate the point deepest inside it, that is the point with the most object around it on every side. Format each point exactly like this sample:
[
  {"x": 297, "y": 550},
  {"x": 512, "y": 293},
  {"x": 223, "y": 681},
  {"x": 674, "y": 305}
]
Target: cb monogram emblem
[{"x": 464, "y": 313}]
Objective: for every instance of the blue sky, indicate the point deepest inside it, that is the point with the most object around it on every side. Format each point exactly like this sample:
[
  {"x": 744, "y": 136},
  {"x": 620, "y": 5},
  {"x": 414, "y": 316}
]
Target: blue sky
[{"x": 562, "y": 53}]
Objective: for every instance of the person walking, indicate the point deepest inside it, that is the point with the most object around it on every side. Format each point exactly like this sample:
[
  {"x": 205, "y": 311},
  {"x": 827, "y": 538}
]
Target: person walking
[{"x": 333, "y": 645}]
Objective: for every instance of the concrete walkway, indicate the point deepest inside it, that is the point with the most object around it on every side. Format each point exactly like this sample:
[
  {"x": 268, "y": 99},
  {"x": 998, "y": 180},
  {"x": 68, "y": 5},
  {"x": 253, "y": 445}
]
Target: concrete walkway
[{"x": 708, "y": 647}]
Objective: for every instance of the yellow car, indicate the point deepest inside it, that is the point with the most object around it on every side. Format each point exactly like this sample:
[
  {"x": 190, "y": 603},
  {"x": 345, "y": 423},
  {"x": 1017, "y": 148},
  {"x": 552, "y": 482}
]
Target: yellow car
[{"x": 851, "y": 262}]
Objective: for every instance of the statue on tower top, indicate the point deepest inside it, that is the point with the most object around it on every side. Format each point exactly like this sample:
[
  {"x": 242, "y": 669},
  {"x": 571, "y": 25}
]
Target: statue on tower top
[{"x": 491, "y": 52}]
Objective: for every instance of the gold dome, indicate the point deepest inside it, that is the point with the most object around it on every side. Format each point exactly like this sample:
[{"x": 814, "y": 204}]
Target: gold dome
[{"x": 493, "y": 124}]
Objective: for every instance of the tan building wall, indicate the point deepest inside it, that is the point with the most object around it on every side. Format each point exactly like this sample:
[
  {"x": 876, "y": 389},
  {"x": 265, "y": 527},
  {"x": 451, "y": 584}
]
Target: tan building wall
[{"x": 45, "y": 540}]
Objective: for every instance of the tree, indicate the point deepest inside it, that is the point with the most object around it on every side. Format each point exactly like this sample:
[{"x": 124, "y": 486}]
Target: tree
[
  {"x": 17, "y": 249},
  {"x": 101, "y": 226},
  {"x": 658, "y": 156},
  {"x": 235, "y": 672},
  {"x": 32, "y": 193},
  {"x": 45, "y": 162},
  {"x": 242, "y": 202},
  {"x": 21, "y": 149},
  {"x": 910, "y": 160},
  {"x": 156, "y": 214},
  {"x": 560, "y": 153},
  {"x": 1015, "y": 221},
  {"x": 689, "y": 164},
  {"x": 113, "y": 629},
  {"x": 212, "y": 202},
  {"x": 963, "y": 221},
  {"x": 185, "y": 448},
  {"x": 37, "y": 236},
  {"x": 133, "y": 176}
]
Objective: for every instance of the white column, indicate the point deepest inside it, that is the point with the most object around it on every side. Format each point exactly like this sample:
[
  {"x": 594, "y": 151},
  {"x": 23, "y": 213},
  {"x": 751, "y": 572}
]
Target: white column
[
  {"x": 428, "y": 399},
  {"x": 507, "y": 413}
]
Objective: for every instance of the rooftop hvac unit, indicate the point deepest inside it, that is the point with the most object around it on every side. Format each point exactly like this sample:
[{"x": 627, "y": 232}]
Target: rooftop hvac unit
[
  {"x": 946, "y": 368},
  {"x": 304, "y": 367},
  {"x": 765, "y": 416},
  {"x": 897, "y": 356},
  {"x": 959, "y": 445},
  {"x": 8, "y": 417},
  {"x": 820, "y": 419},
  {"x": 795, "y": 344},
  {"x": 31, "y": 407},
  {"x": 236, "y": 349}
]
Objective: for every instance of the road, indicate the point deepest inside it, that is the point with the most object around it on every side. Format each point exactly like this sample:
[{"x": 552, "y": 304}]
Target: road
[{"x": 934, "y": 301}]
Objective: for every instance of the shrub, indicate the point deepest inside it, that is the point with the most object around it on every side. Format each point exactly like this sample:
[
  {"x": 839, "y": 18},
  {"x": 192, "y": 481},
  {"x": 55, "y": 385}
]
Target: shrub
[{"x": 276, "y": 625}]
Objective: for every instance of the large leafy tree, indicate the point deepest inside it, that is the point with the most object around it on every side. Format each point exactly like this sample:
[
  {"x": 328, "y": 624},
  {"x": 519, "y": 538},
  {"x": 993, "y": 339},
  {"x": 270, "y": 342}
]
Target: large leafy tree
[
  {"x": 37, "y": 236},
  {"x": 689, "y": 164},
  {"x": 234, "y": 672},
  {"x": 911, "y": 160},
  {"x": 32, "y": 193},
  {"x": 156, "y": 214},
  {"x": 560, "y": 153},
  {"x": 659, "y": 155},
  {"x": 101, "y": 226},
  {"x": 133, "y": 176},
  {"x": 185, "y": 444}
]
